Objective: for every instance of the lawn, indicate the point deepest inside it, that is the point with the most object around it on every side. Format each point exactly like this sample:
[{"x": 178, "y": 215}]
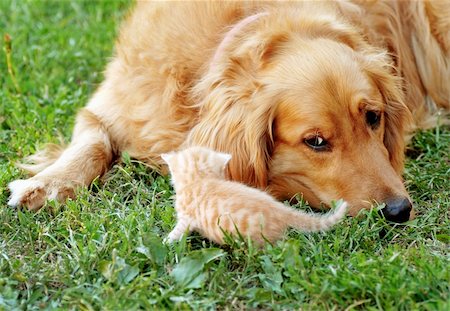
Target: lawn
[{"x": 104, "y": 250}]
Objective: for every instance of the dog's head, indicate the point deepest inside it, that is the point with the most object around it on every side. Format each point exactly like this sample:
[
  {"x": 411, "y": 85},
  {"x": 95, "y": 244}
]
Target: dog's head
[{"x": 308, "y": 107}]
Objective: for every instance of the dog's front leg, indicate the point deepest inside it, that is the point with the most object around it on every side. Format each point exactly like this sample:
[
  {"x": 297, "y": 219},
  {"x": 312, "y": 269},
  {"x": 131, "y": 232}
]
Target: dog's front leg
[{"x": 89, "y": 155}]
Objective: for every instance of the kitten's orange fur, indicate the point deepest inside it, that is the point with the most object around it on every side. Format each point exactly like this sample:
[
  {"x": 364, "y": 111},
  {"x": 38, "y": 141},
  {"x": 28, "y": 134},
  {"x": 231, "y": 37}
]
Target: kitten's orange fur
[{"x": 211, "y": 205}]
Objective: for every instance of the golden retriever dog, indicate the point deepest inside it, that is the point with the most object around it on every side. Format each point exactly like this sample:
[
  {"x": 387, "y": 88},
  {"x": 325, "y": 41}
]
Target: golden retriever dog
[{"x": 312, "y": 98}]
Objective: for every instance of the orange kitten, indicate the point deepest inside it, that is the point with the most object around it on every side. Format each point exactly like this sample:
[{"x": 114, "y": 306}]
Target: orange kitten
[{"x": 209, "y": 204}]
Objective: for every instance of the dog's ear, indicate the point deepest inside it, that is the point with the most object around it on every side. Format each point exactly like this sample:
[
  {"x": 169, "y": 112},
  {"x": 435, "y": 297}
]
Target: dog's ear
[
  {"x": 398, "y": 118},
  {"x": 241, "y": 127},
  {"x": 235, "y": 116}
]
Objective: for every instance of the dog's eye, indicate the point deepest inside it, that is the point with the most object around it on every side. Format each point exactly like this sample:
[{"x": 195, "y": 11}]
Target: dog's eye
[
  {"x": 373, "y": 119},
  {"x": 317, "y": 143}
]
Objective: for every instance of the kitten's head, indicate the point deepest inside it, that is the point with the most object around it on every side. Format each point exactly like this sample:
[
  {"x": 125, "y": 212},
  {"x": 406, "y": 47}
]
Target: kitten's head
[{"x": 196, "y": 162}]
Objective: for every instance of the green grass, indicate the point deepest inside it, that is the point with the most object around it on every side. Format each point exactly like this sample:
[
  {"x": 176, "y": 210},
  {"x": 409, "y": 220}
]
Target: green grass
[{"x": 104, "y": 250}]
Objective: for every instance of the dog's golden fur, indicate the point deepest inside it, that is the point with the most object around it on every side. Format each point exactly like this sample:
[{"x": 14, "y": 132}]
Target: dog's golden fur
[{"x": 300, "y": 70}]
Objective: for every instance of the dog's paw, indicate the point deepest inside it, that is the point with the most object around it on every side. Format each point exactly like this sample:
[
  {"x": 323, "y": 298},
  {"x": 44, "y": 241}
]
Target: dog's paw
[{"x": 32, "y": 193}]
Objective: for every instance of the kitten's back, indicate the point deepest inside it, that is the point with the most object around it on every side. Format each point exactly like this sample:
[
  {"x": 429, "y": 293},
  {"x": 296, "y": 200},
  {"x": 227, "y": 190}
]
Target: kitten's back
[{"x": 233, "y": 207}]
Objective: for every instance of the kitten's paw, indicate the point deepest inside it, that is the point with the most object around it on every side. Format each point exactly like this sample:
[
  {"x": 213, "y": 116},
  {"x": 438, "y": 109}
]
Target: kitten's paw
[
  {"x": 173, "y": 237},
  {"x": 33, "y": 193},
  {"x": 167, "y": 240}
]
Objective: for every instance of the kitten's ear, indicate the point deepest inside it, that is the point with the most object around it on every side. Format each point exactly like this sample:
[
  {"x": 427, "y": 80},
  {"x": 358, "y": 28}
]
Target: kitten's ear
[
  {"x": 167, "y": 157},
  {"x": 224, "y": 157}
]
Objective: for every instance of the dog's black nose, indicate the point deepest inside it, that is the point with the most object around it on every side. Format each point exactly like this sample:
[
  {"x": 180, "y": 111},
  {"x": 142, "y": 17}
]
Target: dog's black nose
[{"x": 397, "y": 209}]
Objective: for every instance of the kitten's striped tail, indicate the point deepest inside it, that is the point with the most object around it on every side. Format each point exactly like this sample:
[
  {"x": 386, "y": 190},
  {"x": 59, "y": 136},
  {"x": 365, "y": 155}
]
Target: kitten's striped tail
[{"x": 314, "y": 222}]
